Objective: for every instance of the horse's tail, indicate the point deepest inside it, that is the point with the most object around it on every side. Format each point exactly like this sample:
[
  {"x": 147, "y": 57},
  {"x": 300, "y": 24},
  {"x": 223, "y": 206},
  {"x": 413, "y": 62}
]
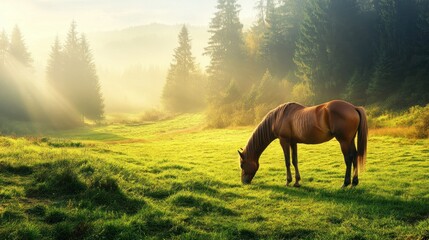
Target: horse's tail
[{"x": 362, "y": 138}]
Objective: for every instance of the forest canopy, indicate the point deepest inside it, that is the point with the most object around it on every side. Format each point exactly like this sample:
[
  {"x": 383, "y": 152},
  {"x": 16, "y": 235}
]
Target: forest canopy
[{"x": 367, "y": 52}]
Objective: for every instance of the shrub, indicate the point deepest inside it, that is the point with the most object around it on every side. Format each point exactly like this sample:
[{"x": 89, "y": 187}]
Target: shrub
[
  {"x": 65, "y": 144},
  {"x": 261, "y": 111},
  {"x": 153, "y": 115},
  {"x": 302, "y": 93},
  {"x": 422, "y": 123}
]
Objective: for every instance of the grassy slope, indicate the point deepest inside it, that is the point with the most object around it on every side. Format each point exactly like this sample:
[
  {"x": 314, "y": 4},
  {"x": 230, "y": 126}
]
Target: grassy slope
[{"x": 176, "y": 179}]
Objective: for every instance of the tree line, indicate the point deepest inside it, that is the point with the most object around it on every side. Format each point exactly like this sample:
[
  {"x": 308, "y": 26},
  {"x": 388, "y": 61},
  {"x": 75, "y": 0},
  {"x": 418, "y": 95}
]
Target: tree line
[
  {"x": 74, "y": 91},
  {"x": 15, "y": 60},
  {"x": 311, "y": 51},
  {"x": 71, "y": 72},
  {"x": 308, "y": 51}
]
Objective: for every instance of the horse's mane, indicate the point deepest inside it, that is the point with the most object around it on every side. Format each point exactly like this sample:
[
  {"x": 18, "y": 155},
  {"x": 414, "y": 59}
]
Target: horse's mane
[{"x": 264, "y": 133}]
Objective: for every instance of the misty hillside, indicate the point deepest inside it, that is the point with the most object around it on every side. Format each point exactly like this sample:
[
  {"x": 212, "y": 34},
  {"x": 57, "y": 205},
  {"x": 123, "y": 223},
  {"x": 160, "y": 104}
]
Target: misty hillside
[
  {"x": 133, "y": 63},
  {"x": 149, "y": 45}
]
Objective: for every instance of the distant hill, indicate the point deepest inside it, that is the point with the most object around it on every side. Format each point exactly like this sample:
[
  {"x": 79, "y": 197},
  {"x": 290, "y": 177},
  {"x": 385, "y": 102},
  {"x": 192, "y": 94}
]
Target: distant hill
[
  {"x": 133, "y": 63},
  {"x": 148, "y": 45}
]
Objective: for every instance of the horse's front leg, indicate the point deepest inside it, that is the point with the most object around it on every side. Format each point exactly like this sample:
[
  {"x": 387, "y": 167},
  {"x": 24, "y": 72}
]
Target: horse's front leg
[
  {"x": 286, "y": 150},
  {"x": 295, "y": 164}
]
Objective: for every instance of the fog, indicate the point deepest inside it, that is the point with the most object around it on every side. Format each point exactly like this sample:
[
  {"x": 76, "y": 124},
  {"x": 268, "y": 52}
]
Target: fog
[
  {"x": 131, "y": 63},
  {"x": 132, "y": 41}
]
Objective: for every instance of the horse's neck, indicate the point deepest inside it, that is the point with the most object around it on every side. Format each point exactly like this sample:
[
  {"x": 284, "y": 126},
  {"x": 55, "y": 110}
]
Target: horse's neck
[{"x": 261, "y": 138}]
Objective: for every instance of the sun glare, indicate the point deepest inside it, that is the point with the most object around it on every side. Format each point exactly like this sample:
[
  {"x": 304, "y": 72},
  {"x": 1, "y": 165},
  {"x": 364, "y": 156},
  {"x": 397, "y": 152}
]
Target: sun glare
[{"x": 42, "y": 103}]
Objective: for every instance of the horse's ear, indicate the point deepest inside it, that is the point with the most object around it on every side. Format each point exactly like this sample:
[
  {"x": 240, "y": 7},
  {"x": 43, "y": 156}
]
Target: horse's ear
[{"x": 241, "y": 154}]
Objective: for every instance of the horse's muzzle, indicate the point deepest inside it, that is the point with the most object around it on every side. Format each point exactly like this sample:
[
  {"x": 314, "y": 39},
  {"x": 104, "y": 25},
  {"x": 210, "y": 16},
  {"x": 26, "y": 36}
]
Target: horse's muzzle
[{"x": 246, "y": 180}]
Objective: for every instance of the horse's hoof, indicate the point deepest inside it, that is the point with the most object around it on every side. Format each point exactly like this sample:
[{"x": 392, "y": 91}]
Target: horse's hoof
[
  {"x": 344, "y": 186},
  {"x": 297, "y": 185}
]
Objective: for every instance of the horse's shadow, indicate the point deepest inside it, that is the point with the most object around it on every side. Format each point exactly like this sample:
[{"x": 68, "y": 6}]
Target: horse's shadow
[{"x": 364, "y": 204}]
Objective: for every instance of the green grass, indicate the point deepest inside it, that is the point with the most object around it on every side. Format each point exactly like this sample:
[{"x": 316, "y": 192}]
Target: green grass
[{"x": 176, "y": 179}]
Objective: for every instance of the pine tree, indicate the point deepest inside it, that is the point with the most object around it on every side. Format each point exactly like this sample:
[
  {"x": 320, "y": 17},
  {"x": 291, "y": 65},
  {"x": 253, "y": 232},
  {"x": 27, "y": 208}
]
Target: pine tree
[
  {"x": 386, "y": 23},
  {"x": 183, "y": 62},
  {"x": 14, "y": 59},
  {"x": 17, "y": 48},
  {"x": 55, "y": 67},
  {"x": 390, "y": 50},
  {"x": 91, "y": 102},
  {"x": 272, "y": 37},
  {"x": 183, "y": 89},
  {"x": 311, "y": 55},
  {"x": 259, "y": 28},
  {"x": 355, "y": 90},
  {"x": 4, "y": 83},
  {"x": 283, "y": 21},
  {"x": 71, "y": 47},
  {"x": 343, "y": 44},
  {"x": 254, "y": 38},
  {"x": 226, "y": 47},
  {"x": 4, "y": 46},
  {"x": 71, "y": 71},
  {"x": 380, "y": 86},
  {"x": 265, "y": 89},
  {"x": 71, "y": 78}
]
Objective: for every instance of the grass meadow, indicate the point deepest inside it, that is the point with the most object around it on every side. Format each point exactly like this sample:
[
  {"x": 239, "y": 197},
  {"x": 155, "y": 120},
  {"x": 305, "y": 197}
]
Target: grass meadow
[{"x": 175, "y": 179}]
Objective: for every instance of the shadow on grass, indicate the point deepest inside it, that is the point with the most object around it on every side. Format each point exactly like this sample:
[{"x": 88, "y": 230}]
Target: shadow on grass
[
  {"x": 200, "y": 206},
  {"x": 20, "y": 170},
  {"x": 77, "y": 201},
  {"x": 365, "y": 204},
  {"x": 240, "y": 232},
  {"x": 60, "y": 181},
  {"x": 207, "y": 187},
  {"x": 297, "y": 234}
]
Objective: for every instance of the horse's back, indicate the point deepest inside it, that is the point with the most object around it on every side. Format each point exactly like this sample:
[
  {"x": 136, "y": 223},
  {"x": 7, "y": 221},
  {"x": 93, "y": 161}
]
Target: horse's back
[
  {"x": 320, "y": 123},
  {"x": 305, "y": 124}
]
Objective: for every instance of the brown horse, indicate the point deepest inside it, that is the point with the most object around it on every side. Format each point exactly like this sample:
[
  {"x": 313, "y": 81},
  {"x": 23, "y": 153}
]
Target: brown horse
[{"x": 293, "y": 123}]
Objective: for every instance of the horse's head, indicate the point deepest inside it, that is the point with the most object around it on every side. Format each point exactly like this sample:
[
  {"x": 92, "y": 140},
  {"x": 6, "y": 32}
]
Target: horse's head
[{"x": 249, "y": 167}]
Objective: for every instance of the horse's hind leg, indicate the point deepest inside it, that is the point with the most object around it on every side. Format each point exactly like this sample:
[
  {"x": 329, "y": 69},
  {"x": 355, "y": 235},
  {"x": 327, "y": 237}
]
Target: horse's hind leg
[
  {"x": 355, "y": 180},
  {"x": 295, "y": 164},
  {"x": 346, "y": 148}
]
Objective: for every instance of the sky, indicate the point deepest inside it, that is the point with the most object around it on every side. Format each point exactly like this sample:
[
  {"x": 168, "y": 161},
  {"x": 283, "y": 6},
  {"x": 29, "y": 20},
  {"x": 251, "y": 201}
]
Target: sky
[{"x": 51, "y": 17}]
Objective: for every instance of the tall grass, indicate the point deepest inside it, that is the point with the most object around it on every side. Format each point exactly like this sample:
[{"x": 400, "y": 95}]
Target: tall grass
[{"x": 413, "y": 123}]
